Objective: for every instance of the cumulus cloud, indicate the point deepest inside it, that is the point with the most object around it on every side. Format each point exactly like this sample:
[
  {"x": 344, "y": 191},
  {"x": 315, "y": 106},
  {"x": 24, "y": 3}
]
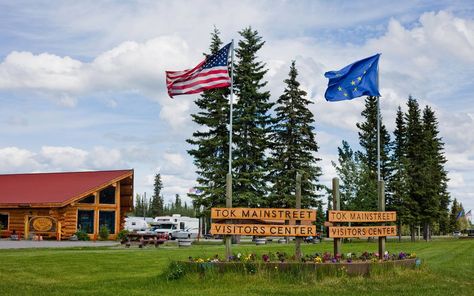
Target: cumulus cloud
[{"x": 59, "y": 158}]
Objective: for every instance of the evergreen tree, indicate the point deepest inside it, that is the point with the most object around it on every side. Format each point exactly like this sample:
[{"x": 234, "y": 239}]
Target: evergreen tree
[
  {"x": 156, "y": 204},
  {"x": 177, "y": 202},
  {"x": 398, "y": 197},
  {"x": 293, "y": 148},
  {"x": 453, "y": 220},
  {"x": 415, "y": 156},
  {"x": 142, "y": 208},
  {"x": 435, "y": 198},
  {"x": 368, "y": 155},
  {"x": 211, "y": 142},
  {"x": 251, "y": 123},
  {"x": 347, "y": 169},
  {"x": 320, "y": 218}
]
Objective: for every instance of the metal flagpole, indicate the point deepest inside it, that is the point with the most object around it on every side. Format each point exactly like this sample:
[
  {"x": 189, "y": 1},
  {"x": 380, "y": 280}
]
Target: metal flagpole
[
  {"x": 378, "y": 125},
  {"x": 378, "y": 139},
  {"x": 228, "y": 200},
  {"x": 380, "y": 183}
]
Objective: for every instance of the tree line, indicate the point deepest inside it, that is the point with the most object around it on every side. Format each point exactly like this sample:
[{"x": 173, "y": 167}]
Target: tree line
[
  {"x": 155, "y": 206},
  {"x": 412, "y": 168},
  {"x": 275, "y": 140}
]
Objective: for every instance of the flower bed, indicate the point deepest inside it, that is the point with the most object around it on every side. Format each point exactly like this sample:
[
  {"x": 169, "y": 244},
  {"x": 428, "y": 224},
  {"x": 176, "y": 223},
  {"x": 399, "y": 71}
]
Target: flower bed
[{"x": 321, "y": 263}]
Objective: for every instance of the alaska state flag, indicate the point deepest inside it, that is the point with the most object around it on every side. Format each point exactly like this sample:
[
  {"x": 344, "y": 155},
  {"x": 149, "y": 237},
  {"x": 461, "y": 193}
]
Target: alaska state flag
[{"x": 356, "y": 80}]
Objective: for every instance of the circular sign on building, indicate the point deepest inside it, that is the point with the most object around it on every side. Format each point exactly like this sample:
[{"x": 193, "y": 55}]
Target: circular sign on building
[{"x": 43, "y": 224}]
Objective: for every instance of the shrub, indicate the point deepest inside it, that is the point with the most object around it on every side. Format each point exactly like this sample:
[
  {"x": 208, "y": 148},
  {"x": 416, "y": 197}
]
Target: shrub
[
  {"x": 123, "y": 235},
  {"x": 82, "y": 235},
  {"x": 175, "y": 271},
  {"x": 104, "y": 233}
]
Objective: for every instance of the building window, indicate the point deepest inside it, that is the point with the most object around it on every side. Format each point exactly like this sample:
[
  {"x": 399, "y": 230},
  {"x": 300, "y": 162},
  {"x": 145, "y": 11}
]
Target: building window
[
  {"x": 4, "y": 221},
  {"x": 107, "y": 218},
  {"x": 85, "y": 221},
  {"x": 88, "y": 200},
  {"x": 107, "y": 196}
]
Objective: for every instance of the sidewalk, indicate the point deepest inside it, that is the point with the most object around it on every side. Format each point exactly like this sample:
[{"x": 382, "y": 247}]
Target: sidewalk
[{"x": 9, "y": 244}]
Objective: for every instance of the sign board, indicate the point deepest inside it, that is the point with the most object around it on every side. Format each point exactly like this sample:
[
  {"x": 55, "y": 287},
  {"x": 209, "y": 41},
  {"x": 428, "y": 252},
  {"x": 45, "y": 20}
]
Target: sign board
[
  {"x": 263, "y": 214},
  {"x": 362, "y": 231},
  {"x": 263, "y": 230},
  {"x": 42, "y": 224},
  {"x": 356, "y": 216}
]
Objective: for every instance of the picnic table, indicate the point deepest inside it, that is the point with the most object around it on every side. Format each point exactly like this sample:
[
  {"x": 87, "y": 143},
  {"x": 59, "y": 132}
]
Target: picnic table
[{"x": 144, "y": 238}]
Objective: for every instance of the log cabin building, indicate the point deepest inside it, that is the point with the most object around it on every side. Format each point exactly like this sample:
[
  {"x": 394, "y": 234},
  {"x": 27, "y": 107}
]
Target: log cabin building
[{"x": 57, "y": 205}]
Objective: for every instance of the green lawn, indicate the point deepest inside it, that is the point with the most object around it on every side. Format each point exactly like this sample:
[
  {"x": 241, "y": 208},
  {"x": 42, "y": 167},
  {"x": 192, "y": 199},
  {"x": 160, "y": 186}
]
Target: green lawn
[{"x": 447, "y": 270}]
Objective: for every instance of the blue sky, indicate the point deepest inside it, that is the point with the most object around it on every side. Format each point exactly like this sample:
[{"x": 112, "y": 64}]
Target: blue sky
[{"x": 82, "y": 82}]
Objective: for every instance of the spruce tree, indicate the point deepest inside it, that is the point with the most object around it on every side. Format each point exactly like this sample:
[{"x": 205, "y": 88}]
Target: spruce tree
[
  {"x": 415, "y": 156},
  {"x": 156, "y": 204},
  {"x": 434, "y": 200},
  {"x": 368, "y": 155},
  {"x": 211, "y": 142},
  {"x": 398, "y": 198},
  {"x": 348, "y": 169},
  {"x": 293, "y": 147},
  {"x": 453, "y": 216},
  {"x": 251, "y": 123}
]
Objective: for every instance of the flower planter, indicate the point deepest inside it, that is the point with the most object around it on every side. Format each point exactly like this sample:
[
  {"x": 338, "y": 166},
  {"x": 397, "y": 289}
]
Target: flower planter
[
  {"x": 260, "y": 241},
  {"x": 185, "y": 242},
  {"x": 354, "y": 268}
]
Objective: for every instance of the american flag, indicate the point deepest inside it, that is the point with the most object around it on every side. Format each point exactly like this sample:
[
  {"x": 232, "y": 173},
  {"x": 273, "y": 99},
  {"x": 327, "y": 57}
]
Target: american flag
[{"x": 208, "y": 74}]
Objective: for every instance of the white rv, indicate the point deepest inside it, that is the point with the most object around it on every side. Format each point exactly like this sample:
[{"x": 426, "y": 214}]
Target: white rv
[
  {"x": 134, "y": 224},
  {"x": 174, "y": 225}
]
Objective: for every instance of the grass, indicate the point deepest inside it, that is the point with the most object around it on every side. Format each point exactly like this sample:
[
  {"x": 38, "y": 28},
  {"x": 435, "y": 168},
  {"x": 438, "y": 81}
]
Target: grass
[{"x": 447, "y": 270}]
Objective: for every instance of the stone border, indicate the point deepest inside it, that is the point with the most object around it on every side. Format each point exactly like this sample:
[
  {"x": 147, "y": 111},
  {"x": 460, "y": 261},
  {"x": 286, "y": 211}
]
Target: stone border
[{"x": 354, "y": 268}]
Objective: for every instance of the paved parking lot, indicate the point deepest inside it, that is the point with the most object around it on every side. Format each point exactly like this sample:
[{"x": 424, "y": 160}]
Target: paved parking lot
[{"x": 9, "y": 244}]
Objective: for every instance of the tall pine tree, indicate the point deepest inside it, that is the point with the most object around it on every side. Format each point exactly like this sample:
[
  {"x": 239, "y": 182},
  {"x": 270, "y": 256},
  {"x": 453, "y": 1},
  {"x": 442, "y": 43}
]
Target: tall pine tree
[
  {"x": 368, "y": 155},
  {"x": 398, "y": 197},
  {"x": 415, "y": 156},
  {"x": 434, "y": 200},
  {"x": 251, "y": 123},
  {"x": 293, "y": 147},
  {"x": 156, "y": 203},
  {"x": 211, "y": 142}
]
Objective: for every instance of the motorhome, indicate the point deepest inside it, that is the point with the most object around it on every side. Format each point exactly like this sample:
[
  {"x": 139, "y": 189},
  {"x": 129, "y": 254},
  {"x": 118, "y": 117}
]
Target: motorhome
[{"x": 172, "y": 225}]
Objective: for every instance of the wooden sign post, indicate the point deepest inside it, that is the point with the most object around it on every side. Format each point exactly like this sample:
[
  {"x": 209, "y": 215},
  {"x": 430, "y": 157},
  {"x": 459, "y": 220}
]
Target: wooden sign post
[
  {"x": 298, "y": 222},
  {"x": 228, "y": 203},
  {"x": 381, "y": 208},
  {"x": 336, "y": 206}
]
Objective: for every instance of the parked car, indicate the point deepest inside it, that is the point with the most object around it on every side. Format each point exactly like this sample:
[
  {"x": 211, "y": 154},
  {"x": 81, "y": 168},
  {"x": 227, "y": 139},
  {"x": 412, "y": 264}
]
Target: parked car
[
  {"x": 457, "y": 233},
  {"x": 470, "y": 232},
  {"x": 191, "y": 233}
]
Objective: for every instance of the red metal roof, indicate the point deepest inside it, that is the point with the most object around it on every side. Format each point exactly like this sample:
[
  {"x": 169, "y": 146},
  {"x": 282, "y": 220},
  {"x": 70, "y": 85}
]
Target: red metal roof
[{"x": 58, "y": 188}]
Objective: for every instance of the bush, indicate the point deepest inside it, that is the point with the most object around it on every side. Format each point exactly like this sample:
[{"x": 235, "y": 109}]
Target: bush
[
  {"x": 123, "y": 235},
  {"x": 175, "y": 271},
  {"x": 82, "y": 235},
  {"x": 104, "y": 233}
]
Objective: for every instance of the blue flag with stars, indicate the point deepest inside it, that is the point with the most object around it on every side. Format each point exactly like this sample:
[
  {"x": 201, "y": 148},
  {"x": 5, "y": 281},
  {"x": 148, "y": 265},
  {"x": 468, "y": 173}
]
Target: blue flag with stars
[{"x": 356, "y": 80}]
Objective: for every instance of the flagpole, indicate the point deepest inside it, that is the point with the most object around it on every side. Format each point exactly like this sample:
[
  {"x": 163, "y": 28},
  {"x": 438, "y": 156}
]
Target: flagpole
[
  {"x": 380, "y": 183},
  {"x": 378, "y": 126},
  {"x": 228, "y": 200},
  {"x": 231, "y": 105}
]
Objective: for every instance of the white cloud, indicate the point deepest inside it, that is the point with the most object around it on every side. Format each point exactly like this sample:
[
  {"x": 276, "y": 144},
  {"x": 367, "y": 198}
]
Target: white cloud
[
  {"x": 59, "y": 158},
  {"x": 63, "y": 157},
  {"x": 13, "y": 158}
]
